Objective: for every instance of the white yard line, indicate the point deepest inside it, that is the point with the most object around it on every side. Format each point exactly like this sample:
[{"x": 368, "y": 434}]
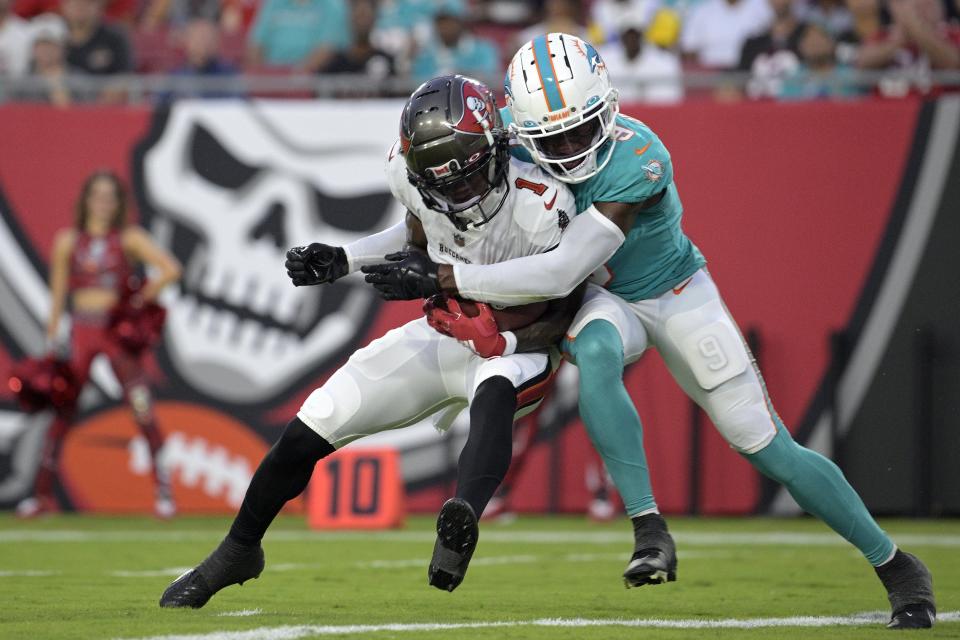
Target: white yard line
[
  {"x": 28, "y": 573},
  {"x": 706, "y": 539},
  {"x": 307, "y": 631},
  {"x": 240, "y": 614}
]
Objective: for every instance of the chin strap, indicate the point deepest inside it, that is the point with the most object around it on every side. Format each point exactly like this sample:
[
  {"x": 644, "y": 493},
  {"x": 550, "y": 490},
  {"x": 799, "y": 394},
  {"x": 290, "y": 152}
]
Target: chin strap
[{"x": 485, "y": 126}]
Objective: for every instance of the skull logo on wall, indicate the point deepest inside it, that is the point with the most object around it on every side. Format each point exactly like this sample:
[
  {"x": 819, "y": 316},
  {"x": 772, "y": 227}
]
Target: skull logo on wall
[{"x": 229, "y": 186}]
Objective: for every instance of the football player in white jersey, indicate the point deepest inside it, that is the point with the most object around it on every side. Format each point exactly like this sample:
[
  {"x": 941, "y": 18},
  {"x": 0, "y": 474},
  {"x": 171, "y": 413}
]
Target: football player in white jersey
[{"x": 468, "y": 202}]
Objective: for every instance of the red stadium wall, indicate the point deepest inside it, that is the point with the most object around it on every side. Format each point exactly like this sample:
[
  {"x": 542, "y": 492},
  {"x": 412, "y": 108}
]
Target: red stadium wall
[{"x": 788, "y": 203}]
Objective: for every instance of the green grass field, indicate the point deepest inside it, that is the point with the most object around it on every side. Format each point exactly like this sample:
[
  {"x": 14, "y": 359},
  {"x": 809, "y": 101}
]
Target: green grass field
[{"x": 556, "y": 578}]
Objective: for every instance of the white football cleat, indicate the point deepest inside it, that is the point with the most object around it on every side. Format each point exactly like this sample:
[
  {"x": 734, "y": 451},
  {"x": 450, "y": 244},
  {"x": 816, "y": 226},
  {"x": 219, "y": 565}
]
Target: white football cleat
[
  {"x": 32, "y": 507},
  {"x": 601, "y": 510},
  {"x": 164, "y": 507}
]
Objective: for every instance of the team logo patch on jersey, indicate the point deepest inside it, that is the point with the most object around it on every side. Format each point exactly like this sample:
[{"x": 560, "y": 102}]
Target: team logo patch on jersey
[
  {"x": 459, "y": 240},
  {"x": 653, "y": 170},
  {"x": 562, "y": 219}
]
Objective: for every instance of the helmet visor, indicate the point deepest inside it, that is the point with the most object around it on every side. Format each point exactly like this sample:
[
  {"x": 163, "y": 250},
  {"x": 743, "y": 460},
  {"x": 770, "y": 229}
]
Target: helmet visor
[
  {"x": 465, "y": 189},
  {"x": 572, "y": 143}
]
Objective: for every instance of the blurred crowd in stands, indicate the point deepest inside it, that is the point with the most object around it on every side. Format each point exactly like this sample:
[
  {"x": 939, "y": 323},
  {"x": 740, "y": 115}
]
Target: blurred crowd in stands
[{"x": 782, "y": 49}]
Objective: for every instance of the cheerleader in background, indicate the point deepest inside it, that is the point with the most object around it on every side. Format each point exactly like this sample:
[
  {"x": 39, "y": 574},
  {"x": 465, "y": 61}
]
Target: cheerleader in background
[{"x": 93, "y": 265}]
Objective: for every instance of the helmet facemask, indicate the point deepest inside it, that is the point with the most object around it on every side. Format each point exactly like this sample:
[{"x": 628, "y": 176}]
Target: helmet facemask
[
  {"x": 578, "y": 148},
  {"x": 470, "y": 195}
]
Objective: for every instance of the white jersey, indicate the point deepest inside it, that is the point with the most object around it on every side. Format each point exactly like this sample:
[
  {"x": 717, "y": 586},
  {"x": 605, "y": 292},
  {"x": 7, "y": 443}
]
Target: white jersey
[
  {"x": 536, "y": 210},
  {"x": 414, "y": 371}
]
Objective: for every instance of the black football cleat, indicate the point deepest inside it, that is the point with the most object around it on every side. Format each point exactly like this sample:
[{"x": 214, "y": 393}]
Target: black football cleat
[
  {"x": 230, "y": 563},
  {"x": 654, "y": 559},
  {"x": 910, "y": 592},
  {"x": 457, "y": 534}
]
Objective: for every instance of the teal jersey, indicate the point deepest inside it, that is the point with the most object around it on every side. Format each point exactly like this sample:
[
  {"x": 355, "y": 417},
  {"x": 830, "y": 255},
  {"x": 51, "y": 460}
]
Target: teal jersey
[{"x": 655, "y": 255}]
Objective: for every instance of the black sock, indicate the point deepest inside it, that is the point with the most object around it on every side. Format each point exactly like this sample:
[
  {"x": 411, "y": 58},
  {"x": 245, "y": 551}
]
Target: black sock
[
  {"x": 486, "y": 455},
  {"x": 283, "y": 474}
]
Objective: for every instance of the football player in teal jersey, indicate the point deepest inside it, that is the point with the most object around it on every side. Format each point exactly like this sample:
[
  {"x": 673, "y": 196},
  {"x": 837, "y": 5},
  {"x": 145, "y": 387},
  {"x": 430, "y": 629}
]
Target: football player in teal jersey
[{"x": 650, "y": 289}]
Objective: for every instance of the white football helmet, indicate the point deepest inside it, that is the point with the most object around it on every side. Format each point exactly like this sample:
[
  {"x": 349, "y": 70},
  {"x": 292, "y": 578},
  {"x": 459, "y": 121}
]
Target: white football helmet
[{"x": 564, "y": 109}]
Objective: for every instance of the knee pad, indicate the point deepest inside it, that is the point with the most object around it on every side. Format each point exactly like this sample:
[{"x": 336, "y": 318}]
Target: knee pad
[
  {"x": 739, "y": 410},
  {"x": 498, "y": 370},
  {"x": 332, "y": 405},
  {"x": 709, "y": 343}
]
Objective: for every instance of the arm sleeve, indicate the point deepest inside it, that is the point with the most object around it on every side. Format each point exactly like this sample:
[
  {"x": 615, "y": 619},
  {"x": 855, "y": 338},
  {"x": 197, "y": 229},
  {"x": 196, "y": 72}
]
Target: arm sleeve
[
  {"x": 589, "y": 241},
  {"x": 371, "y": 249}
]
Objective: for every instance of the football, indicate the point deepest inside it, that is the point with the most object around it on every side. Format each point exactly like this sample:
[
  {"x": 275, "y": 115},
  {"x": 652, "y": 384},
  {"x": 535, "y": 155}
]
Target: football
[{"x": 509, "y": 318}]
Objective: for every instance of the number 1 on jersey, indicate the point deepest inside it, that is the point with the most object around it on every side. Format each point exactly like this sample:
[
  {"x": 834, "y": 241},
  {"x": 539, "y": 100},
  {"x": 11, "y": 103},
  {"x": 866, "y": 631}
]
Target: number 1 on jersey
[{"x": 537, "y": 187}]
